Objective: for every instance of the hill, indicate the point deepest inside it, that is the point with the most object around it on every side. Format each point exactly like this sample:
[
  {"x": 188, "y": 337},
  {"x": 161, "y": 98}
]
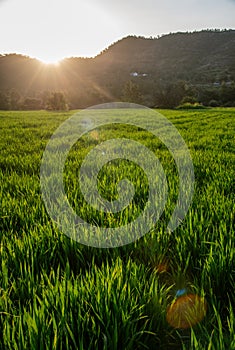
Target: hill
[{"x": 202, "y": 60}]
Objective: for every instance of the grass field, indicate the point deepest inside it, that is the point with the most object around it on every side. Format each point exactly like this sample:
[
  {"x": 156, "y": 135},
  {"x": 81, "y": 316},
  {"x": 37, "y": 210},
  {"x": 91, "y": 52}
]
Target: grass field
[{"x": 58, "y": 294}]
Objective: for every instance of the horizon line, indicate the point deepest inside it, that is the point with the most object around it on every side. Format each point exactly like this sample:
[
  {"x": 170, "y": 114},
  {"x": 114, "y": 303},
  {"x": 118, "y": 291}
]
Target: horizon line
[{"x": 157, "y": 37}]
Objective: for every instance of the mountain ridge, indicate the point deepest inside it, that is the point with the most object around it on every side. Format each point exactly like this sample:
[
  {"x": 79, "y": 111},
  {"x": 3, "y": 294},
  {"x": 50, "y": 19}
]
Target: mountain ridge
[{"x": 200, "y": 57}]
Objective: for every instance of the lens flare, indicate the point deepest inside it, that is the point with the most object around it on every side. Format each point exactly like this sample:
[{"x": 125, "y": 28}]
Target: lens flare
[
  {"x": 162, "y": 267},
  {"x": 85, "y": 123},
  {"x": 180, "y": 292},
  {"x": 186, "y": 311},
  {"x": 94, "y": 135}
]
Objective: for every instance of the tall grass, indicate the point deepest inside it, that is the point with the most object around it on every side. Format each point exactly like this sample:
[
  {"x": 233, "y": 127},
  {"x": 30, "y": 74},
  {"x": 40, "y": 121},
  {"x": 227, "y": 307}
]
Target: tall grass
[{"x": 58, "y": 294}]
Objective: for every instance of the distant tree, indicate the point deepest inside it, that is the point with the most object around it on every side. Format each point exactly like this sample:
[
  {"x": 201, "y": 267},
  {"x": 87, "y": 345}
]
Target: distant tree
[
  {"x": 188, "y": 99},
  {"x": 44, "y": 96},
  {"x": 4, "y": 101},
  {"x": 57, "y": 102},
  {"x": 131, "y": 93},
  {"x": 224, "y": 95},
  {"x": 213, "y": 103},
  {"x": 170, "y": 95},
  {"x": 14, "y": 100},
  {"x": 31, "y": 103},
  {"x": 227, "y": 93},
  {"x": 209, "y": 94}
]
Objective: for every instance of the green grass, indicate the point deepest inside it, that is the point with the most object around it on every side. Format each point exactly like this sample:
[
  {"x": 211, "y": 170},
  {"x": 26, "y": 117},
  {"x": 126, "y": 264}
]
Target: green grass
[{"x": 58, "y": 294}]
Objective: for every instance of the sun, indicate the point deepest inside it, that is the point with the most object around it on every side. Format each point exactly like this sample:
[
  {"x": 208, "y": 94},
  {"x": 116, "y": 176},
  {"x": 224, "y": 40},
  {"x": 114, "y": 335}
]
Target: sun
[{"x": 50, "y": 61}]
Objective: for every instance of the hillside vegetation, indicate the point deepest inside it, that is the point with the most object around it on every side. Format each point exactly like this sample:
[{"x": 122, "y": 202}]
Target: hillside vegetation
[{"x": 198, "y": 64}]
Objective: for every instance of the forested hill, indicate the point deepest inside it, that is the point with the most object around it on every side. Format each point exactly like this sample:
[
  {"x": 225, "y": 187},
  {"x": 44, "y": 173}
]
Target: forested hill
[
  {"x": 199, "y": 56},
  {"x": 200, "y": 59}
]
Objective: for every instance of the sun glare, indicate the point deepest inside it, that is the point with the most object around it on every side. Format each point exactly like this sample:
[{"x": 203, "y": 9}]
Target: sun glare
[{"x": 50, "y": 61}]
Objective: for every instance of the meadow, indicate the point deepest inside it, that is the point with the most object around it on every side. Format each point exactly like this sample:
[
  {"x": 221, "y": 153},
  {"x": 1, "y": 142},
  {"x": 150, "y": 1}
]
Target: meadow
[{"x": 56, "y": 293}]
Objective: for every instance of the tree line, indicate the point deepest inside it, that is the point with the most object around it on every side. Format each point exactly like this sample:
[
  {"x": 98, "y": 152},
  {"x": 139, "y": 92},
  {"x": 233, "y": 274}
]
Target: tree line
[
  {"x": 12, "y": 100},
  {"x": 162, "y": 95}
]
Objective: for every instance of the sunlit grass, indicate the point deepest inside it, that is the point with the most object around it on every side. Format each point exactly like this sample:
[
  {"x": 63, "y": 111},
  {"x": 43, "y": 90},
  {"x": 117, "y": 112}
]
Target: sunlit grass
[{"x": 58, "y": 294}]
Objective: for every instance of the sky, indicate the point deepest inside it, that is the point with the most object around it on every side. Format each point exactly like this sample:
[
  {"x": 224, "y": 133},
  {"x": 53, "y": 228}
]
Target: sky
[{"x": 51, "y": 30}]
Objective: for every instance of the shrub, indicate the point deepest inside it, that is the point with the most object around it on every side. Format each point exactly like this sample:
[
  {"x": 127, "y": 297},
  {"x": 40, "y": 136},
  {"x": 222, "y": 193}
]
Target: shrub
[
  {"x": 57, "y": 102},
  {"x": 214, "y": 103},
  {"x": 188, "y": 99},
  {"x": 189, "y": 105}
]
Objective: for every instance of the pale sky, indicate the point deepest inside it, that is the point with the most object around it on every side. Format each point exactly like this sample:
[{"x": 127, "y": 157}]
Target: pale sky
[{"x": 53, "y": 29}]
